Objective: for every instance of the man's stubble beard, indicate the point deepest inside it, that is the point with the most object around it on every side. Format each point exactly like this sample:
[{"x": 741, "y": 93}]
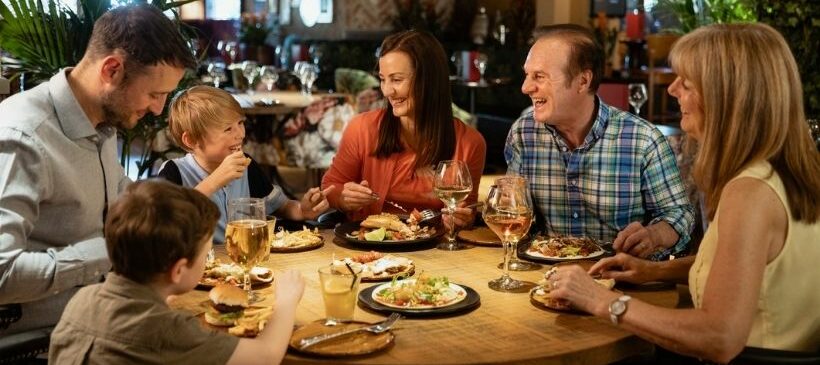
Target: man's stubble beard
[{"x": 115, "y": 109}]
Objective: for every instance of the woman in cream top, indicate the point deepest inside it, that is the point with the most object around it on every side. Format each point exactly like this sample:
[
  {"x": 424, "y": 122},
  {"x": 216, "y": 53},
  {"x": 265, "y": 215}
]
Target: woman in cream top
[
  {"x": 789, "y": 292},
  {"x": 754, "y": 281}
]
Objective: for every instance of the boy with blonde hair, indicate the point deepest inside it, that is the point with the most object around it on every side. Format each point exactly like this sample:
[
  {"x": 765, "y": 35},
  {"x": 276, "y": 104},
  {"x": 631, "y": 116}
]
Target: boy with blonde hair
[
  {"x": 158, "y": 236},
  {"x": 209, "y": 124}
]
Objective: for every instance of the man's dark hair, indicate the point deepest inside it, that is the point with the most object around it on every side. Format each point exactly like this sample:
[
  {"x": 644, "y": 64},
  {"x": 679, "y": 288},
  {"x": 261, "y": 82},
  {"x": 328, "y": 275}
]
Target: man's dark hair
[
  {"x": 153, "y": 225},
  {"x": 144, "y": 34},
  {"x": 585, "y": 52}
]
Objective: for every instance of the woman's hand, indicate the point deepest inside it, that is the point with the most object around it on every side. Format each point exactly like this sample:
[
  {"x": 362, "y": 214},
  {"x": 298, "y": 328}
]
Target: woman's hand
[
  {"x": 573, "y": 284},
  {"x": 314, "y": 202},
  {"x": 625, "y": 267},
  {"x": 355, "y": 196},
  {"x": 463, "y": 216}
]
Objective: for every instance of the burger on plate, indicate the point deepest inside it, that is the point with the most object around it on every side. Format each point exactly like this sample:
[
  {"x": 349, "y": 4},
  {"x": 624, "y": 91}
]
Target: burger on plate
[{"x": 227, "y": 305}]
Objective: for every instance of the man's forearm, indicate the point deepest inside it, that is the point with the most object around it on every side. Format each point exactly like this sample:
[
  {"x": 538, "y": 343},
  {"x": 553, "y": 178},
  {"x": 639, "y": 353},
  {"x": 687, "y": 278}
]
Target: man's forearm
[
  {"x": 31, "y": 276},
  {"x": 664, "y": 234}
]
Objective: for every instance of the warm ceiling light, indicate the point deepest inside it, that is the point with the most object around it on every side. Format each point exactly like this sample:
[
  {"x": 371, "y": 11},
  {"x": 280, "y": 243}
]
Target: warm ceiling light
[{"x": 309, "y": 12}]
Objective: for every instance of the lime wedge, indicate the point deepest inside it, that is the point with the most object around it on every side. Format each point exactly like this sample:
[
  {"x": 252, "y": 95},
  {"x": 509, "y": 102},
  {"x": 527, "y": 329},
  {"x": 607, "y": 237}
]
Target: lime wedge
[{"x": 377, "y": 235}]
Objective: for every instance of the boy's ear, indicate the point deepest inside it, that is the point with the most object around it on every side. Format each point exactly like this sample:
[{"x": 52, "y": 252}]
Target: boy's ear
[
  {"x": 177, "y": 270},
  {"x": 188, "y": 141}
]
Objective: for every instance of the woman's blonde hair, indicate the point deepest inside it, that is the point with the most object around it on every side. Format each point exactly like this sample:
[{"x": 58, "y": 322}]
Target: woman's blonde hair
[
  {"x": 752, "y": 102},
  {"x": 199, "y": 108}
]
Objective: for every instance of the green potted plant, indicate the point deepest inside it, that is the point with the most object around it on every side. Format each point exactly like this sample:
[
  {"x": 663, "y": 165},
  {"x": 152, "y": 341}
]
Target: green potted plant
[
  {"x": 799, "y": 22},
  {"x": 43, "y": 37},
  {"x": 690, "y": 14},
  {"x": 253, "y": 34}
]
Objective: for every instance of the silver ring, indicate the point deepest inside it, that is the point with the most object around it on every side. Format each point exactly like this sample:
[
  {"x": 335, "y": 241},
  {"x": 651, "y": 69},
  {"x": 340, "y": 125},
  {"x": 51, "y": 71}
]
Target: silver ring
[{"x": 548, "y": 274}]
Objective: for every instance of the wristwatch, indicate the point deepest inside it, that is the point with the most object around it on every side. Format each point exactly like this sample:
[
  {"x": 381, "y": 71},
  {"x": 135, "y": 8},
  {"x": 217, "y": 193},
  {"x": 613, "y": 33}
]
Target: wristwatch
[{"x": 617, "y": 308}]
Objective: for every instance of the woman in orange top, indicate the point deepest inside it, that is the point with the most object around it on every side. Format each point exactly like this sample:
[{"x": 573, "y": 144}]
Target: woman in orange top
[{"x": 392, "y": 152}]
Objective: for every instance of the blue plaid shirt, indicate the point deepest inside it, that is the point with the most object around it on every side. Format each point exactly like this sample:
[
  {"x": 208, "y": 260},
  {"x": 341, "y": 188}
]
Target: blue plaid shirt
[{"x": 624, "y": 171}]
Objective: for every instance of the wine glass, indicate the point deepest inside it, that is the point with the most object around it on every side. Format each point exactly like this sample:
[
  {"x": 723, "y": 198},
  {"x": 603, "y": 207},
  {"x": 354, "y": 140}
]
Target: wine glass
[
  {"x": 315, "y": 51},
  {"x": 250, "y": 69},
  {"x": 508, "y": 212},
  {"x": 217, "y": 72},
  {"x": 268, "y": 75},
  {"x": 514, "y": 263},
  {"x": 637, "y": 96},
  {"x": 311, "y": 73},
  {"x": 456, "y": 58},
  {"x": 246, "y": 237},
  {"x": 232, "y": 49},
  {"x": 299, "y": 71},
  {"x": 480, "y": 63},
  {"x": 452, "y": 184}
]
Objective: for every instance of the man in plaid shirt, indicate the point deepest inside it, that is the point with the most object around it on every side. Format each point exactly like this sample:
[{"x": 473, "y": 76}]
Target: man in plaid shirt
[{"x": 594, "y": 170}]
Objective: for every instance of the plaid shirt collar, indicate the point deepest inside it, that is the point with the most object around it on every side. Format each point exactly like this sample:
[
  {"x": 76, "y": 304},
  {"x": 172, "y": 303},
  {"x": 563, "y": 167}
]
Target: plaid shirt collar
[{"x": 598, "y": 128}]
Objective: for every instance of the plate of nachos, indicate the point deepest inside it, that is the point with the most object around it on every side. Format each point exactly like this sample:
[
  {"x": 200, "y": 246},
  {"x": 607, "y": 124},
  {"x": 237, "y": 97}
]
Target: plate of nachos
[
  {"x": 388, "y": 229},
  {"x": 424, "y": 295},
  {"x": 377, "y": 266},
  {"x": 217, "y": 272},
  {"x": 562, "y": 248}
]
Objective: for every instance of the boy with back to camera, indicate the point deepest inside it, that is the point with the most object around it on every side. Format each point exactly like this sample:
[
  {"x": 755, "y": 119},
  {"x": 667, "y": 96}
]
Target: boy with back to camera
[
  {"x": 158, "y": 236},
  {"x": 209, "y": 124}
]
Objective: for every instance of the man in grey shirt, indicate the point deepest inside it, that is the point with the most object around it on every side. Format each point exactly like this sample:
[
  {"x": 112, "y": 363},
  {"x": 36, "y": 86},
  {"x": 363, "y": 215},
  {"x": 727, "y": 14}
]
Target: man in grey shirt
[{"x": 58, "y": 158}]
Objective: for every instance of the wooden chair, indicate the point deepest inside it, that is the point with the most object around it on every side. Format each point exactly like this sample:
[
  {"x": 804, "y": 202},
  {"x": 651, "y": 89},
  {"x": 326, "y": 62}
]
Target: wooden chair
[{"x": 659, "y": 75}]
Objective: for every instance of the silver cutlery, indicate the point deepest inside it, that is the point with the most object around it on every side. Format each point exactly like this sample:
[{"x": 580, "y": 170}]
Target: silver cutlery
[
  {"x": 429, "y": 214},
  {"x": 375, "y": 328}
]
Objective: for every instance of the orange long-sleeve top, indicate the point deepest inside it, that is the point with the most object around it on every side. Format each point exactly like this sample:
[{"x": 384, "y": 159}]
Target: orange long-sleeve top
[{"x": 393, "y": 178}]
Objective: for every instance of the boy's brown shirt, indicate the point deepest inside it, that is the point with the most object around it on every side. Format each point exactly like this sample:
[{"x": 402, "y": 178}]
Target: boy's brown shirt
[{"x": 123, "y": 322}]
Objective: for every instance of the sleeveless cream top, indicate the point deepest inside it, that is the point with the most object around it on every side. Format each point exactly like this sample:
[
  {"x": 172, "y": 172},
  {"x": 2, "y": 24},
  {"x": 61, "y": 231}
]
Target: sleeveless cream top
[{"x": 788, "y": 308}]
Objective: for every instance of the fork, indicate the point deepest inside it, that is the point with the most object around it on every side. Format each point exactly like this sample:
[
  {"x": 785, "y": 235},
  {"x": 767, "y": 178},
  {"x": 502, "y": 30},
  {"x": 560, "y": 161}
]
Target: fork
[
  {"x": 376, "y": 197},
  {"x": 375, "y": 328},
  {"x": 429, "y": 214}
]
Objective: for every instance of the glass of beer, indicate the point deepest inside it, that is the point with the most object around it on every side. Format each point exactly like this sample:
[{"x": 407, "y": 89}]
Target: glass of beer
[
  {"x": 340, "y": 288},
  {"x": 246, "y": 236}
]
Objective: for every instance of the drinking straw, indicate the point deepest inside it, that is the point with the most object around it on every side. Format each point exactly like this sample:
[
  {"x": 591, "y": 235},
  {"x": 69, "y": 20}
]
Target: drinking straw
[{"x": 352, "y": 283}]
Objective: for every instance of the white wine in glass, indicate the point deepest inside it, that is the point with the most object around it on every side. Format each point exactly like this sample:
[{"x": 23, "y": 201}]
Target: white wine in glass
[
  {"x": 246, "y": 237},
  {"x": 452, "y": 185}
]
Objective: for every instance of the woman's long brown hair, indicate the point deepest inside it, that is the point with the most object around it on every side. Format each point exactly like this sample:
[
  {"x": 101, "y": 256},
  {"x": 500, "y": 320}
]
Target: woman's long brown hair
[
  {"x": 435, "y": 136},
  {"x": 753, "y": 111}
]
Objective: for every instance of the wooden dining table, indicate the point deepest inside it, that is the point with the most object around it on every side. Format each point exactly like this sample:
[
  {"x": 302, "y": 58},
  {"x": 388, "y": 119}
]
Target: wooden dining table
[{"x": 505, "y": 329}]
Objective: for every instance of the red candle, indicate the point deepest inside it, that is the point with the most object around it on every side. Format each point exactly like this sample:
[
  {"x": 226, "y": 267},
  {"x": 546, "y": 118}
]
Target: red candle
[{"x": 635, "y": 24}]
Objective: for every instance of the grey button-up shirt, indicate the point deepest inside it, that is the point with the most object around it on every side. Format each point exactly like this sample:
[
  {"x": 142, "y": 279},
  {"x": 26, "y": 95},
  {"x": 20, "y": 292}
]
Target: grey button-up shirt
[{"x": 57, "y": 173}]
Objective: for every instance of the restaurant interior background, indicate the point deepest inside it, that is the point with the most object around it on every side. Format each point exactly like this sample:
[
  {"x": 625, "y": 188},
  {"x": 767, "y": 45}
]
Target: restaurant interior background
[{"x": 342, "y": 37}]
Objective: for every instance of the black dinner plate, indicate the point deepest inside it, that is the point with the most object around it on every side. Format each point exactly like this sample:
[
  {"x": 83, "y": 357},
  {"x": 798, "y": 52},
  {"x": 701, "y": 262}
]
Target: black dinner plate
[
  {"x": 470, "y": 302},
  {"x": 523, "y": 254},
  {"x": 344, "y": 229}
]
